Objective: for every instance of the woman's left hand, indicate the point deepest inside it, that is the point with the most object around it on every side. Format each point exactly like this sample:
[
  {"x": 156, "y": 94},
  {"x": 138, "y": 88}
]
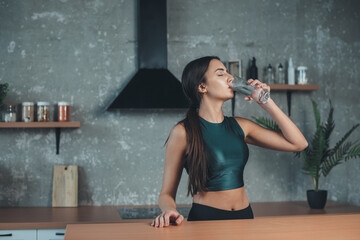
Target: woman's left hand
[{"x": 257, "y": 83}]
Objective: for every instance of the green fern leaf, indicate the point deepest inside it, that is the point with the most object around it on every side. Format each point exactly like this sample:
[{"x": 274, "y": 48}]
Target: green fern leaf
[
  {"x": 267, "y": 123},
  {"x": 335, "y": 159},
  {"x": 328, "y": 128},
  {"x": 316, "y": 114},
  {"x": 354, "y": 152},
  {"x": 342, "y": 140}
]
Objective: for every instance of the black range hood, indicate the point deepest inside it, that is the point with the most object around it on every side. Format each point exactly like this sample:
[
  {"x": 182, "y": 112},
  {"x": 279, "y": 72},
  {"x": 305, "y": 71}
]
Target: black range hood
[{"x": 153, "y": 86}]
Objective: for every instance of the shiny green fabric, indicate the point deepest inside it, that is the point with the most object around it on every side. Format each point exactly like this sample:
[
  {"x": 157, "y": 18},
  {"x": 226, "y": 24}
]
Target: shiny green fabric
[{"x": 227, "y": 154}]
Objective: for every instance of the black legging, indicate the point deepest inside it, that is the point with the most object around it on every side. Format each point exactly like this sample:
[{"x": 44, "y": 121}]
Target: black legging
[{"x": 200, "y": 212}]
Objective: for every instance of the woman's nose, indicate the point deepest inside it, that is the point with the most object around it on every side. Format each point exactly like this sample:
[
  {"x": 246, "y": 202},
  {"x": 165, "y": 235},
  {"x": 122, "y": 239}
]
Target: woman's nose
[{"x": 230, "y": 78}]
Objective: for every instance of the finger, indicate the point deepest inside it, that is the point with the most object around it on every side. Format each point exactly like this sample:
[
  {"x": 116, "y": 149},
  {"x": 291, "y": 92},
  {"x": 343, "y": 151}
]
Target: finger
[
  {"x": 266, "y": 87},
  {"x": 162, "y": 221},
  {"x": 250, "y": 80},
  {"x": 180, "y": 219},
  {"x": 167, "y": 219},
  {"x": 157, "y": 221},
  {"x": 255, "y": 82},
  {"x": 247, "y": 98}
]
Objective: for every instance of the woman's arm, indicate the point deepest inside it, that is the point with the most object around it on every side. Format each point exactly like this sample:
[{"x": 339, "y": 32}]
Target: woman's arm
[
  {"x": 290, "y": 139},
  {"x": 174, "y": 155}
]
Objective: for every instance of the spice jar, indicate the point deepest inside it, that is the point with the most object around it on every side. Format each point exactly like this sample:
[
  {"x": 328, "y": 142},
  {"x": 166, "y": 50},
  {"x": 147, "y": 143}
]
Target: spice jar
[
  {"x": 43, "y": 111},
  {"x": 27, "y": 112},
  {"x": 63, "y": 112},
  {"x": 9, "y": 113}
]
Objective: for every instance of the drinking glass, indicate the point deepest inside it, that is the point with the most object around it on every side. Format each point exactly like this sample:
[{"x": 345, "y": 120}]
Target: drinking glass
[{"x": 255, "y": 92}]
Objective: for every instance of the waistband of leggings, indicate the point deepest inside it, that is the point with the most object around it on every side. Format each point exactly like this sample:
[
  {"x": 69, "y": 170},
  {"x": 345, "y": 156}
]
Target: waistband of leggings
[{"x": 206, "y": 206}]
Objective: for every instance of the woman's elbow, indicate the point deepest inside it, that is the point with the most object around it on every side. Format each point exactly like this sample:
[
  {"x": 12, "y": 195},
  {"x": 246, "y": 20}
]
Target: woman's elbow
[{"x": 301, "y": 146}]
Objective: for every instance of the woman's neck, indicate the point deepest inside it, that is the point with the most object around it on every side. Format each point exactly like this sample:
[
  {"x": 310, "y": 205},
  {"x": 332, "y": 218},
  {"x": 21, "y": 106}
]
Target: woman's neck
[{"x": 211, "y": 112}]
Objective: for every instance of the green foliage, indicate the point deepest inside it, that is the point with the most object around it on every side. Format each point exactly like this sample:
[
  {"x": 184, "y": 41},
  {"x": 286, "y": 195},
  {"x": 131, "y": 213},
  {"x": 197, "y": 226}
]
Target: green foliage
[
  {"x": 267, "y": 123},
  {"x": 318, "y": 158},
  {"x": 3, "y": 91}
]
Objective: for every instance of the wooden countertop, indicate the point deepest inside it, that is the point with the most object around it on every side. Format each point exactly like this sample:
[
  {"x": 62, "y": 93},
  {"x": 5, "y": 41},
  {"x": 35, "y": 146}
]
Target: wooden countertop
[
  {"x": 324, "y": 226},
  {"x": 50, "y": 218}
]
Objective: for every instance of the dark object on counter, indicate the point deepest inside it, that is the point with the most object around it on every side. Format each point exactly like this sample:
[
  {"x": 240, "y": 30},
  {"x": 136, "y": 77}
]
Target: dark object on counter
[{"x": 316, "y": 199}]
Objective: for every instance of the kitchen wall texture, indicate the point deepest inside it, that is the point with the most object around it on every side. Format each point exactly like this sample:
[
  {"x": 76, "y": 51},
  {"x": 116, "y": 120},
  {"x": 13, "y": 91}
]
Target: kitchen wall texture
[{"x": 84, "y": 52}]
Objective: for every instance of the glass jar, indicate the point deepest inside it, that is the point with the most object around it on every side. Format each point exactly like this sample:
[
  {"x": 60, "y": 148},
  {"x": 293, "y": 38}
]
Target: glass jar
[
  {"x": 27, "y": 112},
  {"x": 63, "y": 111},
  {"x": 302, "y": 76},
  {"x": 43, "y": 111},
  {"x": 9, "y": 113}
]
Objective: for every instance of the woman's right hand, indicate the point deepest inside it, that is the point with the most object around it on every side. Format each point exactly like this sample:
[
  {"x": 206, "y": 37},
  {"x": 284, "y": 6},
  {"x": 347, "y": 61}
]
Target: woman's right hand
[{"x": 167, "y": 217}]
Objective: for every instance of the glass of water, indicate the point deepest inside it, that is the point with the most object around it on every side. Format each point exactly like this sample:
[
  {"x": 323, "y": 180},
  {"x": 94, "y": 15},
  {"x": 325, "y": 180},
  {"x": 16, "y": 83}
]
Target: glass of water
[{"x": 255, "y": 92}]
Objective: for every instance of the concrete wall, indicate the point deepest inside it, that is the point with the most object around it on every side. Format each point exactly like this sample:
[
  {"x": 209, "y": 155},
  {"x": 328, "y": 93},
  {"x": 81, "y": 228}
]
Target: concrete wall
[{"x": 85, "y": 51}]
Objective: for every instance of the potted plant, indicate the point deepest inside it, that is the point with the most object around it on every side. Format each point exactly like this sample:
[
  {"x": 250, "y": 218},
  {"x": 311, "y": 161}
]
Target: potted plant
[{"x": 319, "y": 158}]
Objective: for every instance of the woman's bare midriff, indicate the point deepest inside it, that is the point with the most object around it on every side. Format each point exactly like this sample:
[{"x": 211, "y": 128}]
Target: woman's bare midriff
[{"x": 231, "y": 200}]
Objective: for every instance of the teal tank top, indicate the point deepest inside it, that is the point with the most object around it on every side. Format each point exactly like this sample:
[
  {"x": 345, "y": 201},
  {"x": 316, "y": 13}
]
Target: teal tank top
[{"x": 227, "y": 154}]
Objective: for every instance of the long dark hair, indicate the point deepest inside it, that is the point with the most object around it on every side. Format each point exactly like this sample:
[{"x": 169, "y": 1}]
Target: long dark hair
[{"x": 195, "y": 155}]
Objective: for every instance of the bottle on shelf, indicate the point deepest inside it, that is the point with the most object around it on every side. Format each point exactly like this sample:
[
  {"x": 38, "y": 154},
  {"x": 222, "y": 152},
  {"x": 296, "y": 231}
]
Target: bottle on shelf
[
  {"x": 302, "y": 76},
  {"x": 253, "y": 71},
  {"x": 9, "y": 113},
  {"x": 280, "y": 75},
  {"x": 269, "y": 75},
  {"x": 291, "y": 73}
]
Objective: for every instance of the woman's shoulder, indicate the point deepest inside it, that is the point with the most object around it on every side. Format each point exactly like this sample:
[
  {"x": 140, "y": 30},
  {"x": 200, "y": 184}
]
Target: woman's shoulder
[
  {"x": 244, "y": 123},
  {"x": 178, "y": 131},
  {"x": 241, "y": 119}
]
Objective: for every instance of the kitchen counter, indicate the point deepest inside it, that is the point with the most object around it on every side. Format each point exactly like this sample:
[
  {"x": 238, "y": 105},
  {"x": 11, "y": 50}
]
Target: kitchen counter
[
  {"x": 56, "y": 218},
  {"x": 324, "y": 226}
]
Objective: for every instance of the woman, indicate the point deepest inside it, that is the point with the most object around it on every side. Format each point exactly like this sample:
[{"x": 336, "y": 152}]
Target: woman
[{"x": 213, "y": 148}]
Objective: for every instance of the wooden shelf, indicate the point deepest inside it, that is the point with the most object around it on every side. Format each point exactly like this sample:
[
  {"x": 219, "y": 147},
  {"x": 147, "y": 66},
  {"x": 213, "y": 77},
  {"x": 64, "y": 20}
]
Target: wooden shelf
[
  {"x": 297, "y": 87},
  {"x": 292, "y": 88},
  {"x": 39, "y": 124},
  {"x": 57, "y": 125}
]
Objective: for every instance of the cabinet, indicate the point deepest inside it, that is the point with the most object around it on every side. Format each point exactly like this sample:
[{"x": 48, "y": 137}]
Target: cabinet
[
  {"x": 33, "y": 234},
  {"x": 50, "y": 234},
  {"x": 18, "y": 234},
  {"x": 57, "y": 125}
]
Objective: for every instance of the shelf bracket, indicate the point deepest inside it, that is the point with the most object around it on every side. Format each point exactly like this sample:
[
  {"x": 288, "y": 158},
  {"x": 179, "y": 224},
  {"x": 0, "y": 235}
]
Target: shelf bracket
[
  {"x": 288, "y": 96},
  {"x": 57, "y": 136}
]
